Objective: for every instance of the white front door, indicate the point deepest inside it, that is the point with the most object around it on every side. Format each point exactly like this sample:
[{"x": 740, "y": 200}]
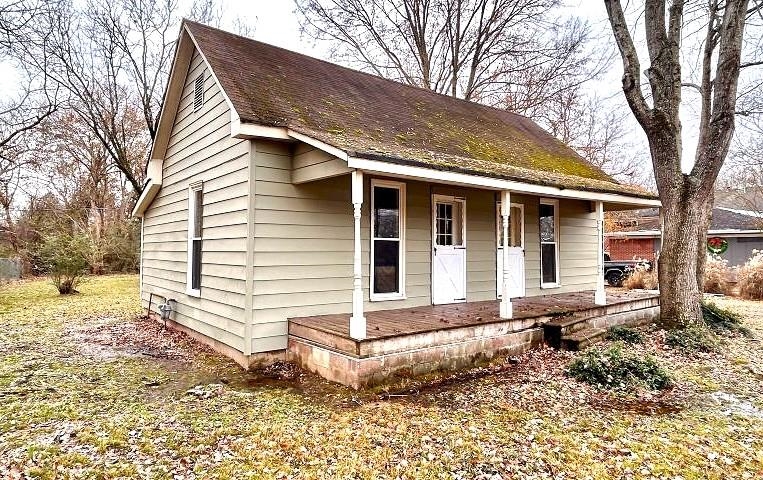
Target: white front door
[
  {"x": 449, "y": 249},
  {"x": 516, "y": 251}
]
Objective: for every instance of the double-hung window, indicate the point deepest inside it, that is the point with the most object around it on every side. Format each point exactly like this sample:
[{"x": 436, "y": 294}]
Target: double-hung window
[
  {"x": 195, "y": 216},
  {"x": 387, "y": 240},
  {"x": 549, "y": 243}
]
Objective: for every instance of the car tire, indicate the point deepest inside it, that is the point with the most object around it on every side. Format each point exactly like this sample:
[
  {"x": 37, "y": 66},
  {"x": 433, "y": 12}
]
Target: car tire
[{"x": 614, "y": 278}]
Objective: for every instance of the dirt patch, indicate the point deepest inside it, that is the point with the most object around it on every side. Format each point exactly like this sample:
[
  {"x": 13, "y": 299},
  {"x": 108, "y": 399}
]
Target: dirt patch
[{"x": 108, "y": 338}]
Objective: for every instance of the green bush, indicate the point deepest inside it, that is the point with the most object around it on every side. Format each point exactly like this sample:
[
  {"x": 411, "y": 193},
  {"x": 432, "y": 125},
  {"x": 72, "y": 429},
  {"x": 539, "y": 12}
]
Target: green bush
[
  {"x": 722, "y": 320},
  {"x": 625, "y": 334},
  {"x": 693, "y": 338},
  {"x": 617, "y": 369},
  {"x": 65, "y": 259}
]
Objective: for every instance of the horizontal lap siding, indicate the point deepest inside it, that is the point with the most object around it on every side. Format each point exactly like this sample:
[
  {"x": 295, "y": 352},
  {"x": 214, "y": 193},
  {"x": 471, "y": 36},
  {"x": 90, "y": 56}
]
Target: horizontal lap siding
[
  {"x": 577, "y": 247},
  {"x": 200, "y": 149},
  {"x": 302, "y": 246}
]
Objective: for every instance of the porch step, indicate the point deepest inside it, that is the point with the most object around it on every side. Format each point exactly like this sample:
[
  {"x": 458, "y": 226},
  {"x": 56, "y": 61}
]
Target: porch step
[
  {"x": 583, "y": 338},
  {"x": 558, "y": 328}
]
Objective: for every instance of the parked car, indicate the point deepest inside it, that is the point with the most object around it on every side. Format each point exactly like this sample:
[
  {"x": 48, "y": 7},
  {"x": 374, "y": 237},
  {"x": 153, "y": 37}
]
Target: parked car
[{"x": 616, "y": 271}]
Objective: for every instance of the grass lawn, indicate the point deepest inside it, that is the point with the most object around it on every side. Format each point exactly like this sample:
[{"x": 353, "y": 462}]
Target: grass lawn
[{"x": 88, "y": 390}]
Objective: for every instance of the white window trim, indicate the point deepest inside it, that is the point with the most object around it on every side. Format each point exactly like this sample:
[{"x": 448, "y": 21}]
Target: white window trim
[
  {"x": 558, "y": 283},
  {"x": 192, "y": 189},
  {"x": 378, "y": 297}
]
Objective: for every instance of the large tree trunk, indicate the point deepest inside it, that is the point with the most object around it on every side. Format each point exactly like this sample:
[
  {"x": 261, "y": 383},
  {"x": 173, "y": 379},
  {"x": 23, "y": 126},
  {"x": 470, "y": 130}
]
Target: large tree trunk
[{"x": 680, "y": 291}]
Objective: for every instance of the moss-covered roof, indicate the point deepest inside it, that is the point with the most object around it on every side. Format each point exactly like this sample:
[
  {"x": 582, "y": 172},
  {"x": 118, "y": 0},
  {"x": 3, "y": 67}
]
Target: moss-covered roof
[{"x": 373, "y": 117}]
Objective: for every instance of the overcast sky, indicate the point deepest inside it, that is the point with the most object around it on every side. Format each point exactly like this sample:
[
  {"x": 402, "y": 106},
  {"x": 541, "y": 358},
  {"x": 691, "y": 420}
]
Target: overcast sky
[{"x": 275, "y": 22}]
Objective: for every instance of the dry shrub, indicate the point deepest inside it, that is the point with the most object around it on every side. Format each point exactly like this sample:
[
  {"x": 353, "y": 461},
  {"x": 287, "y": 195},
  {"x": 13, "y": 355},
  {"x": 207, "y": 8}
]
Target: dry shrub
[
  {"x": 716, "y": 275},
  {"x": 750, "y": 277},
  {"x": 643, "y": 276}
]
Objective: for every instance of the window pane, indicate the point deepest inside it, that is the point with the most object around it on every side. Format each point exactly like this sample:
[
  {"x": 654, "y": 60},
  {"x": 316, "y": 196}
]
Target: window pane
[
  {"x": 198, "y": 213},
  {"x": 546, "y": 223},
  {"x": 548, "y": 262},
  {"x": 386, "y": 212},
  {"x": 386, "y": 263},
  {"x": 456, "y": 226},
  {"x": 196, "y": 265},
  {"x": 515, "y": 227}
]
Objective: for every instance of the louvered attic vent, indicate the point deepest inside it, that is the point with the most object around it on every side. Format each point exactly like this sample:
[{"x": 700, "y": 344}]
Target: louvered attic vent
[{"x": 198, "y": 92}]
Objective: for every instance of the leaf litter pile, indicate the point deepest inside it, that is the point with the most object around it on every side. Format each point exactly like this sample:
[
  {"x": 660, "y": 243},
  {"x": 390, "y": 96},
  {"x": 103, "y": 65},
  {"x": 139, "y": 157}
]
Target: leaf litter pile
[{"x": 90, "y": 390}]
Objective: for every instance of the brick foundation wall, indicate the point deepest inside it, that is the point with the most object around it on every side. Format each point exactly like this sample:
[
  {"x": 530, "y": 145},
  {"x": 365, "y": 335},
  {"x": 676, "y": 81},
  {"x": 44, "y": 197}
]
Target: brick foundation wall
[{"x": 631, "y": 248}]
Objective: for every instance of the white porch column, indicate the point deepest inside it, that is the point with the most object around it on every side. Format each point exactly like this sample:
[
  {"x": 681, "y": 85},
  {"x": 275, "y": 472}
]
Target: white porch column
[
  {"x": 600, "y": 297},
  {"x": 357, "y": 320},
  {"x": 505, "y": 308}
]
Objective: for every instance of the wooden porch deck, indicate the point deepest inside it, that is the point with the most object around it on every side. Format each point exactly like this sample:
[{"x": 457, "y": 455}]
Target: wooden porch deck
[{"x": 408, "y": 321}]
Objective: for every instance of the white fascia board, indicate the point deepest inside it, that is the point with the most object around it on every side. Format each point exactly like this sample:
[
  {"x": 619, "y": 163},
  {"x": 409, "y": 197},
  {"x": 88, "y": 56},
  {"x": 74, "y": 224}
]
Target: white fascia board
[
  {"x": 732, "y": 232},
  {"x": 656, "y": 233},
  {"x": 331, "y": 150},
  {"x": 251, "y": 130},
  {"x": 640, "y": 234},
  {"x": 146, "y": 197},
  {"x": 426, "y": 174}
]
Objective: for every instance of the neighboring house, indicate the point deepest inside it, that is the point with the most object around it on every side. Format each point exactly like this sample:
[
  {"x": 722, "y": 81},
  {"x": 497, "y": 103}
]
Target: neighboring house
[
  {"x": 733, "y": 235},
  {"x": 282, "y": 186}
]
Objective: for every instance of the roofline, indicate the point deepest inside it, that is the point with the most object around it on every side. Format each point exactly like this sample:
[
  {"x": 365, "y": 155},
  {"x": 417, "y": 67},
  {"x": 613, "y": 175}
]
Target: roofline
[
  {"x": 729, "y": 232},
  {"x": 242, "y": 129},
  {"x": 463, "y": 179},
  {"x": 174, "y": 89}
]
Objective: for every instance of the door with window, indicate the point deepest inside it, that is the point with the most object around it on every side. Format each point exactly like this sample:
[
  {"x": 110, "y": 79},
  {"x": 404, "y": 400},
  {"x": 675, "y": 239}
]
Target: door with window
[
  {"x": 516, "y": 247},
  {"x": 449, "y": 249}
]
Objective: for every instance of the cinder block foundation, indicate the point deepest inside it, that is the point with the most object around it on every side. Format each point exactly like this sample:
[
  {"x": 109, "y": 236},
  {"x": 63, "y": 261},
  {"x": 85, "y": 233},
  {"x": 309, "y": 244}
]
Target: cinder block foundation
[{"x": 442, "y": 354}]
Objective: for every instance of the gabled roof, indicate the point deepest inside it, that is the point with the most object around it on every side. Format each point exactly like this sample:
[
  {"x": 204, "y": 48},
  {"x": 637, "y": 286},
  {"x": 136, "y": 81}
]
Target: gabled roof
[
  {"x": 374, "y": 118},
  {"x": 723, "y": 220}
]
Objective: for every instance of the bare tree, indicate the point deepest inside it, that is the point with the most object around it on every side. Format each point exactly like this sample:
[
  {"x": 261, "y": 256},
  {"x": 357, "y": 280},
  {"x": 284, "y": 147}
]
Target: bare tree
[
  {"x": 109, "y": 56},
  {"x": 597, "y": 130},
  {"x": 511, "y": 53},
  {"x": 686, "y": 198}
]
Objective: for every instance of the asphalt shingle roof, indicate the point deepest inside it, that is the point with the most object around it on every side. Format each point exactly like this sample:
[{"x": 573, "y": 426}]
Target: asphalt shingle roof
[{"x": 372, "y": 117}]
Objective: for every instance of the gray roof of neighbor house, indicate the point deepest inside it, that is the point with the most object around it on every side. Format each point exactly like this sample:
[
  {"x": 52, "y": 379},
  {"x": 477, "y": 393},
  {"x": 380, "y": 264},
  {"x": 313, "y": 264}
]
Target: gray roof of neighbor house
[
  {"x": 648, "y": 220},
  {"x": 375, "y": 118}
]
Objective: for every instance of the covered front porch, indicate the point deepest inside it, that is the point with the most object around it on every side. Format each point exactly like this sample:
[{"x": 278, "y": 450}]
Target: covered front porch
[{"x": 443, "y": 337}]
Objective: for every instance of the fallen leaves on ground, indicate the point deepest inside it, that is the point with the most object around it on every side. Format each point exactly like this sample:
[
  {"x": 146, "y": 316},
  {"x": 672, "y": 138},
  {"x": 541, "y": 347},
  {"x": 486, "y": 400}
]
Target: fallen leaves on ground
[{"x": 88, "y": 390}]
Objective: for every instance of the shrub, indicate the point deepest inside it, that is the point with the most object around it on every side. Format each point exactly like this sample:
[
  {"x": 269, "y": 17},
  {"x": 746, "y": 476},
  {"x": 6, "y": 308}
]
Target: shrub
[
  {"x": 643, "y": 276},
  {"x": 716, "y": 275},
  {"x": 722, "y": 320},
  {"x": 692, "y": 338},
  {"x": 750, "y": 277},
  {"x": 65, "y": 259},
  {"x": 625, "y": 334},
  {"x": 613, "y": 368}
]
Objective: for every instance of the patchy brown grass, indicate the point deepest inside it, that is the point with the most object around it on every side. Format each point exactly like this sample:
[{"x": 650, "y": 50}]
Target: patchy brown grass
[{"x": 89, "y": 391}]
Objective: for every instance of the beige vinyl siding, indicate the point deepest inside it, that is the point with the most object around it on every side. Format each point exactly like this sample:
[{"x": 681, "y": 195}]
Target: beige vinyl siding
[
  {"x": 200, "y": 149},
  {"x": 577, "y": 247},
  {"x": 302, "y": 236}
]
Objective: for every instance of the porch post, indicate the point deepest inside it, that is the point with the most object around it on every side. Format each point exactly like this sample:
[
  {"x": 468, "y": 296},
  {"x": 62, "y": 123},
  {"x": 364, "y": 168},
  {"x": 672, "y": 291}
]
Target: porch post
[
  {"x": 600, "y": 297},
  {"x": 505, "y": 308},
  {"x": 357, "y": 320}
]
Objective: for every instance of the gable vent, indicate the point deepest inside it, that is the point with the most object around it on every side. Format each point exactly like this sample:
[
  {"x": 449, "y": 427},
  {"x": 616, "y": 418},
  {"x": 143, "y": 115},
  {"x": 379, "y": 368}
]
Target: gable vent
[{"x": 198, "y": 92}]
